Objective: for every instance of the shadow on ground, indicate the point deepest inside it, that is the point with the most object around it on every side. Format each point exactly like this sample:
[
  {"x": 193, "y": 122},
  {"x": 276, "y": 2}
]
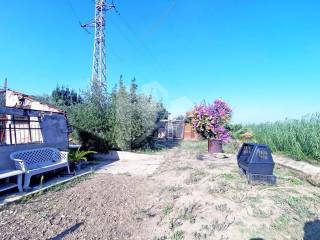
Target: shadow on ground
[
  {"x": 312, "y": 230},
  {"x": 164, "y": 143},
  {"x": 67, "y": 231}
]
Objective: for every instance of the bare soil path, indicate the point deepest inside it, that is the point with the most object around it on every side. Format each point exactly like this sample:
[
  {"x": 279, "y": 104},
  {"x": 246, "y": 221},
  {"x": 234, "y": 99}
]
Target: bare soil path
[{"x": 189, "y": 195}]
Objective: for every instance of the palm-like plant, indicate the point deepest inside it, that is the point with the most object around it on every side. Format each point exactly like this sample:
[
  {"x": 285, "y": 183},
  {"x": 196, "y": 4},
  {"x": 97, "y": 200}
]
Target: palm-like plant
[{"x": 78, "y": 156}]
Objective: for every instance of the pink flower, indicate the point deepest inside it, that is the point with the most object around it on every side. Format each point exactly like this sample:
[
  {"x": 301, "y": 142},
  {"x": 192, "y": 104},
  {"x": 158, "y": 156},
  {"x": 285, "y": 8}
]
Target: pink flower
[{"x": 210, "y": 120}]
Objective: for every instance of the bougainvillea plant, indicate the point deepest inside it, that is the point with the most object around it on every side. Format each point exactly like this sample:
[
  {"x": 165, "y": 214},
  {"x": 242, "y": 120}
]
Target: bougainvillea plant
[{"x": 210, "y": 120}]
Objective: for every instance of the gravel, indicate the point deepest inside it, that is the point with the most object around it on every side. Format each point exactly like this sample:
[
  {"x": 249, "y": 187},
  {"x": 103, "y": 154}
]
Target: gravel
[{"x": 101, "y": 207}]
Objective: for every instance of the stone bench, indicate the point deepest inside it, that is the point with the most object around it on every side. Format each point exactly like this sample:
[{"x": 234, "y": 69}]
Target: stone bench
[
  {"x": 36, "y": 161},
  {"x": 6, "y": 174}
]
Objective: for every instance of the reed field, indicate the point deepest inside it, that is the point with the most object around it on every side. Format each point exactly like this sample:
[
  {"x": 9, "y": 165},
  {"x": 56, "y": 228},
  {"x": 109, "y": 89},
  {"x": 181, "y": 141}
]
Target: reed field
[{"x": 300, "y": 139}]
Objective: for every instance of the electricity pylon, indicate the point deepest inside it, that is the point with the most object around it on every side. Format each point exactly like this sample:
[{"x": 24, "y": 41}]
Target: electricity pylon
[{"x": 99, "y": 68}]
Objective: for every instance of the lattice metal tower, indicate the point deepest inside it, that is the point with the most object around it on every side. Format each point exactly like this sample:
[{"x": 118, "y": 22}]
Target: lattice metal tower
[{"x": 99, "y": 77}]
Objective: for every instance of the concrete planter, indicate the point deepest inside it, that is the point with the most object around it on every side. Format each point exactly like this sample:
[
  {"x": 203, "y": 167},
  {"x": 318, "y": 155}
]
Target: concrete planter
[{"x": 214, "y": 146}]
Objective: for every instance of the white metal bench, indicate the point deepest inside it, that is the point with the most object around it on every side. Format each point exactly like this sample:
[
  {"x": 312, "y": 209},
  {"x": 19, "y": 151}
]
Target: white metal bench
[
  {"x": 37, "y": 161},
  {"x": 6, "y": 174}
]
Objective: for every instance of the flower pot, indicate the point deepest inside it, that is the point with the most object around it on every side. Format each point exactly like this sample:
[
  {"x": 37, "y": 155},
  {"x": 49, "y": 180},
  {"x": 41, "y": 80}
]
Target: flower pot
[
  {"x": 78, "y": 166},
  {"x": 214, "y": 146}
]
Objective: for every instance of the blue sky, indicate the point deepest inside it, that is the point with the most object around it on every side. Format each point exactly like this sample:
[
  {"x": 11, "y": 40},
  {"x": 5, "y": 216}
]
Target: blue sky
[{"x": 263, "y": 57}]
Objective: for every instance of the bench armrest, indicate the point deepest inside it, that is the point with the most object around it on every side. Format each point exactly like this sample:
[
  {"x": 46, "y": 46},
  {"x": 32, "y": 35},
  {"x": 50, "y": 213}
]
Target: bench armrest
[
  {"x": 20, "y": 165},
  {"x": 64, "y": 156}
]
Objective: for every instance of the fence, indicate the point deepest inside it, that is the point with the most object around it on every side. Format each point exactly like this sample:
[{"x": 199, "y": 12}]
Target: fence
[{"x": 170, "y": 129}]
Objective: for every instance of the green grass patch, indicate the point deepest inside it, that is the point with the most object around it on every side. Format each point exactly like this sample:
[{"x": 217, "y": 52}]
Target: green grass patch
[
  {"x": 195, "y": 146},
  {"x": 178, "y": 235},
  {"x": 167, "y": 209},
  {"x": 281, "y": 223},
  {"x": 299, "y": 139},
  {"x": 228, "y": 176}
]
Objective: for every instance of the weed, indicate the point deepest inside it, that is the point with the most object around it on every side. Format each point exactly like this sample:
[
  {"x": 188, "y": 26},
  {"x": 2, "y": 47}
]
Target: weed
[
  {"x": 239, "y": 197},
  {"x": 188, "y": 213},
  {"x": 298, "y": 206},
  {"x": 217, "y": 226},
  {"x": 160, "y": 238},
  {"x": 44, "y": 215},
  {"x": 195, "y": 177},
  {"x": 259, "y": 213},
  {"x": 281, "y": 223},
  {"x": 254, "y": 200},
  {"x": 220, "y": 188},
  {"x": 174, "y": 223},
  {"x": 293, "y": 180},
  {"x": 228, "y": 176},
  {"x": 199, "y": 236},
  {"x": 167, "y": 210},
  {"x": 223, "y": 208},
  {"x": 316, "y": 194},
  {"x": 294, "y": 204},
  {"x": 178, "y": 235}
]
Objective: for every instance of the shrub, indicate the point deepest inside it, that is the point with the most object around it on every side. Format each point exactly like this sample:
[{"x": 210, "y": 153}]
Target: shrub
[
  {"x": 78, "y": 155},
  {"x": 210, "y": 120},
  {"x": 240, "y": 132},
  {"x": 121, "y": 120}
]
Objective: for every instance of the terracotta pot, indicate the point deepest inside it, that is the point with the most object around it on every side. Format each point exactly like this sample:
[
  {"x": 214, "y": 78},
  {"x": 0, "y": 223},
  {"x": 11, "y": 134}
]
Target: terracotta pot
[
  {"x": 189, "y": 134},
  {"x": 214, "y": 146}
]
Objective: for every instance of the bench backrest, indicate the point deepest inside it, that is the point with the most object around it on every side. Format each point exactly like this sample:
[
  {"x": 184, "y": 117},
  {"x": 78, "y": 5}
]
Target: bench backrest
[{"x": 35, "y": 158}]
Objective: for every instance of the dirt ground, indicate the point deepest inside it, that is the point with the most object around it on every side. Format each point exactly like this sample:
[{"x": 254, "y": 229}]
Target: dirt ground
[{"x": 191, "y": 195}]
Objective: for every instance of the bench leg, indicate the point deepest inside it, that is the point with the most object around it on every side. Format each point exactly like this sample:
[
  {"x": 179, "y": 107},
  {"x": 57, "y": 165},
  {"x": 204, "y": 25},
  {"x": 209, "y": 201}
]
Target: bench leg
[
  {"x": 26, "y": 181},
  {"x": 19, "y": 182},
  {"x": 68, "y": 169}
]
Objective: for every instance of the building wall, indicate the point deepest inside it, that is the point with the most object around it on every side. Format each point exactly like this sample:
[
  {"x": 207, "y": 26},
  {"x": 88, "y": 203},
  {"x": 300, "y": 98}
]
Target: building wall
[
  {"x": 54, "y": 132},
  {"x": 12, "y": 100},
  {"x": 189, "y": 133}
]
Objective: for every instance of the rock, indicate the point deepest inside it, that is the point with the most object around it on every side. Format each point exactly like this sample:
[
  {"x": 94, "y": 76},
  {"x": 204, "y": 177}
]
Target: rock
[
  {"x": 314, "y": 179},
  {"x": 220, "y": 155}
]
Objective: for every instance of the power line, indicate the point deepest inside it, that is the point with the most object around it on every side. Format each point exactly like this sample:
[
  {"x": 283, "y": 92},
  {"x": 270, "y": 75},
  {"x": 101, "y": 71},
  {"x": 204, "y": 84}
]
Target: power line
[
  {"x": 147, "y": 51},
  {"x": 139, "y": 39},
  {"x": 75, "y": 15},
  {"x": 161, "y": 19},
  {"x": 125, "y": 61}
]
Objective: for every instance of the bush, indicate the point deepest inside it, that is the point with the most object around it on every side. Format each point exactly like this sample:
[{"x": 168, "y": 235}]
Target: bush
[
  {"x": 122, "y": 120},
  {"x": 240, "y": 132},
  {"x": 299, "y": 139},
  {"x": 210, "y": 121}
]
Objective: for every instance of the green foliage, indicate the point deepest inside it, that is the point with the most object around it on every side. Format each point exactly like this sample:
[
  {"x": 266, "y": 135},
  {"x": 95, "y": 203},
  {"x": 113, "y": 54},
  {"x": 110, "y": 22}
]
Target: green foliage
[
  {"x": 78, "y": 155},
  {"x": 297, "y": 138},
  {"x": 179, "y": 235},
  {"x": 63, "y": 96},
  {"x": 240, "y": 132},
  {"x": 167, "y": 210},
  {"x": 120, "y": 120}
]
